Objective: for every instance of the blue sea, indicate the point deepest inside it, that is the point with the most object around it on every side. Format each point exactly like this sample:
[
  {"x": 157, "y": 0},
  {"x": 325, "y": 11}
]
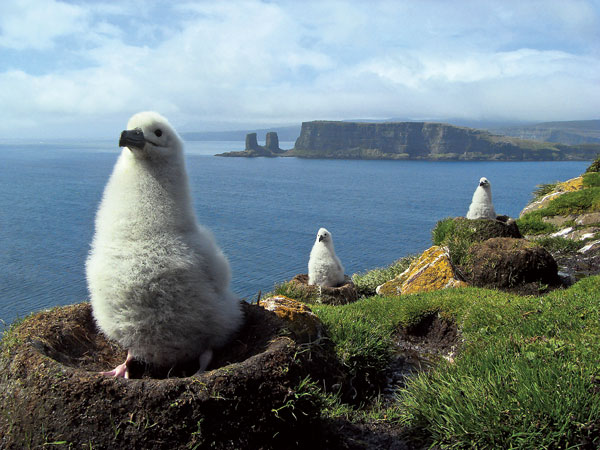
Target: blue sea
[{"x": 264, "y": 212}]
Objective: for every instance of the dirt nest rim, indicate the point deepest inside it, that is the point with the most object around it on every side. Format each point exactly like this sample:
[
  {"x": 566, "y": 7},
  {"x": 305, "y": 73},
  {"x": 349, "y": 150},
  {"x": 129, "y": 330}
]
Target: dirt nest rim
[{"x": 340, "y": 295}]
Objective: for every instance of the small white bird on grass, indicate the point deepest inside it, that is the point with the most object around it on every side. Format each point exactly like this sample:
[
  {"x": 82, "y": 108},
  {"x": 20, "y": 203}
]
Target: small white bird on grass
[
  {"x": 158, "y": 282},
  {"x": 481, "y": 205},
  {"x": 324, "y": 267}
]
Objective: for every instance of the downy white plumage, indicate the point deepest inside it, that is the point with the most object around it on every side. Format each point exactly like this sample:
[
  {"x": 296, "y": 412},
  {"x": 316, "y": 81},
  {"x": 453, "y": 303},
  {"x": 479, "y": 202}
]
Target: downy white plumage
[
  {"x": 481, "y": 206},
  {"x": 324, "y": 267},
  {"x": 158, "y": 282}
]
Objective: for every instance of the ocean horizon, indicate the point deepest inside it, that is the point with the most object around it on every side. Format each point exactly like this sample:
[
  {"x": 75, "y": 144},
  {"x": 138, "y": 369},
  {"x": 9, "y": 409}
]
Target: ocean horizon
[{"x": 264, "y": 212}]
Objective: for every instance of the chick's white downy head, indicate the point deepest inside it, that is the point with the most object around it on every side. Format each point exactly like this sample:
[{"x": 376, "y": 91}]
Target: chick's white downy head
[
  {"x": 149, "y": 135},
  {"x": 324, "y": 236}
]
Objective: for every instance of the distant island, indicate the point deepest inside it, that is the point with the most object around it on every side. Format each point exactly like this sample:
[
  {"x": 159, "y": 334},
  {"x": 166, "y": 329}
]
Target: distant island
[{"x": 412, "y": 141}]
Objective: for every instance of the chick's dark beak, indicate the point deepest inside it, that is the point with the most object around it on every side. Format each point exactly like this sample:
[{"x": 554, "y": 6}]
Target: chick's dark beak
[
  {"x": 482, "y": 184},
  {"x": 321, "y": 238},
  {"x": 132, "y": 139}
]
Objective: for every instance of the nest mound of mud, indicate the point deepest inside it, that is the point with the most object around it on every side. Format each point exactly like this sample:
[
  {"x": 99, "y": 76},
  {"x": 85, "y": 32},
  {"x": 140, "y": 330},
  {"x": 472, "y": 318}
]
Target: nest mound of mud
[
  {"x": 339, "y": 295},
  {"x": 253, "y": 393},
  {"x": 512, "y": 264}
]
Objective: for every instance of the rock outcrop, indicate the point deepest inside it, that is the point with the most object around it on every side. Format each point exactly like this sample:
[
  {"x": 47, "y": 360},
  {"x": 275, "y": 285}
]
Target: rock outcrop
[
  {"x": 270, "y": 149},
  {"x": 423, "y": 140},
  {"x": 253, "y": 392},
  {"x": 272, "y": 143},
  {"x": 299, "y": 318},
  {"x": 251, "y": 142},
  {"x": 430, "y": 272}
]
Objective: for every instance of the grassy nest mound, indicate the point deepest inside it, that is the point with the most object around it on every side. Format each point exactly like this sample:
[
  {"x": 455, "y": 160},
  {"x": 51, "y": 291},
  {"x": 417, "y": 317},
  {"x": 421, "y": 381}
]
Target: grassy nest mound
[
  {"x": 512, "y": 264},
  {"x": 339, "y": 295},
  {"x": 255, "y": 391}
]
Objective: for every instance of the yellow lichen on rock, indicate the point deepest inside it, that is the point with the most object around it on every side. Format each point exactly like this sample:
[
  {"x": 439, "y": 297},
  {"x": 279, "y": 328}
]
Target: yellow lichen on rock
[
  {"x": 298, "y": 317},
  {"x": 430, "y": 272},
  {"x": 574, "y": 184}
]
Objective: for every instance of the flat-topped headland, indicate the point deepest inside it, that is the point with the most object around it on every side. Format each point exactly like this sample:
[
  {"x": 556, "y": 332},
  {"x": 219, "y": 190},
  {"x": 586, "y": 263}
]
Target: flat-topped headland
[{"x": 414, "y": 141}]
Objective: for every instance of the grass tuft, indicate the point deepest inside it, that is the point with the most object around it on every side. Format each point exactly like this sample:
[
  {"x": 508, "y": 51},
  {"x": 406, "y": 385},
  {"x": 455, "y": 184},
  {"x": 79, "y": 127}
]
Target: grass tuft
[
  {"x": 295, "y": 291},
  {"x": 367, "y": 282},
  {"x": 532, "y": 224},
  {"x": 595, "y": 166},
  {"x": 575, "y": 202},
  {"x": 591, "y": 179},
  {"x": 542, "y": 190},
  {"x": 558, "y": 244}
]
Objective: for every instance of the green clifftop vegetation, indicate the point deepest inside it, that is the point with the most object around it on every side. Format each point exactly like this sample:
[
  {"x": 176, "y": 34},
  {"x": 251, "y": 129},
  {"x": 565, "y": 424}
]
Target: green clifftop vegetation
[{"x": 566, "y": 132}]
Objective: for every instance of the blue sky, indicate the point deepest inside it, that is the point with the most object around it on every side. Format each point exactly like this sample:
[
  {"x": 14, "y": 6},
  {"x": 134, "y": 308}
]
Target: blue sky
[{"x": 81, "y": 68}]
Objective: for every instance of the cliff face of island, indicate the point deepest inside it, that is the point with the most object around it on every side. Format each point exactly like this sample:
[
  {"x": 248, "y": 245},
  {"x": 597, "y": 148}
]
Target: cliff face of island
[{"x": 423, "y": 140}]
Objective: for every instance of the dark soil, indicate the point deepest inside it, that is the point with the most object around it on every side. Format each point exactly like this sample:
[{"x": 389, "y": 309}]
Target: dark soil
[
  {"x": 344, "y": 435},
  {"x": 419, "y": 347}
]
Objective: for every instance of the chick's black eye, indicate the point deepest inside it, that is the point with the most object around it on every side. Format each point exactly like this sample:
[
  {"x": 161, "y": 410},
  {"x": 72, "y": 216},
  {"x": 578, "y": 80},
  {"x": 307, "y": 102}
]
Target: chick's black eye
[{"x": 158, "y": 133}]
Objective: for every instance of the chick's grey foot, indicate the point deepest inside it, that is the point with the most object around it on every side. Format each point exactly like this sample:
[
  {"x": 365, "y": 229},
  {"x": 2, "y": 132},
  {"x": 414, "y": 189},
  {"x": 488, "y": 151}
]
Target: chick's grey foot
[{"x": 205, "y": 359}]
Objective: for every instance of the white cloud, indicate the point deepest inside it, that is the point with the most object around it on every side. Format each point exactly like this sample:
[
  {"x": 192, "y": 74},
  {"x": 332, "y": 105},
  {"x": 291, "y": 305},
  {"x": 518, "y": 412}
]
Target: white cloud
[
  {"x": 36, "y": 24},
  {"x": 250, "y": 61}
]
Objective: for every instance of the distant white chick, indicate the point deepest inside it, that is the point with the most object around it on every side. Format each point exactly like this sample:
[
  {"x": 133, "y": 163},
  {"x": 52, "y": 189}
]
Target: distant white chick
[
  {"x": 158, "y": 282},
  {"x": 481, "y": 205},
  {"x": 324, "y": 267}
]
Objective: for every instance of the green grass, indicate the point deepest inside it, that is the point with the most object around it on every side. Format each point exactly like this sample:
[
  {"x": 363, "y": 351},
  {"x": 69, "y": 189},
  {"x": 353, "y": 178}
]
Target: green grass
[
  {"x": 529, "y": 384},
  {"x": 367, "y": 282},
  {"x": 532, "y": 224},
  {"x": 591, "y": 179},
  {"x": 528, "y": 374},
  {"x": 558, "y": 244},
  {"x": 293, "y": 290},
  {"x": 458, "y": 240},
  {"x": 574, "y": 203},
  {"x": 363, "y": 341}
]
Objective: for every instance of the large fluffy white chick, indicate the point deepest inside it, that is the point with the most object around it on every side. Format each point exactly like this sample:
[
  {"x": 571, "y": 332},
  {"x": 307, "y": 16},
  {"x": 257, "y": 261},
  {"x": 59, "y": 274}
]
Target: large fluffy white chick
[
  {"x": 158, "y": 282},
  {"x": 324, "y": 267},
  {"x": 481, "y": 205}
]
